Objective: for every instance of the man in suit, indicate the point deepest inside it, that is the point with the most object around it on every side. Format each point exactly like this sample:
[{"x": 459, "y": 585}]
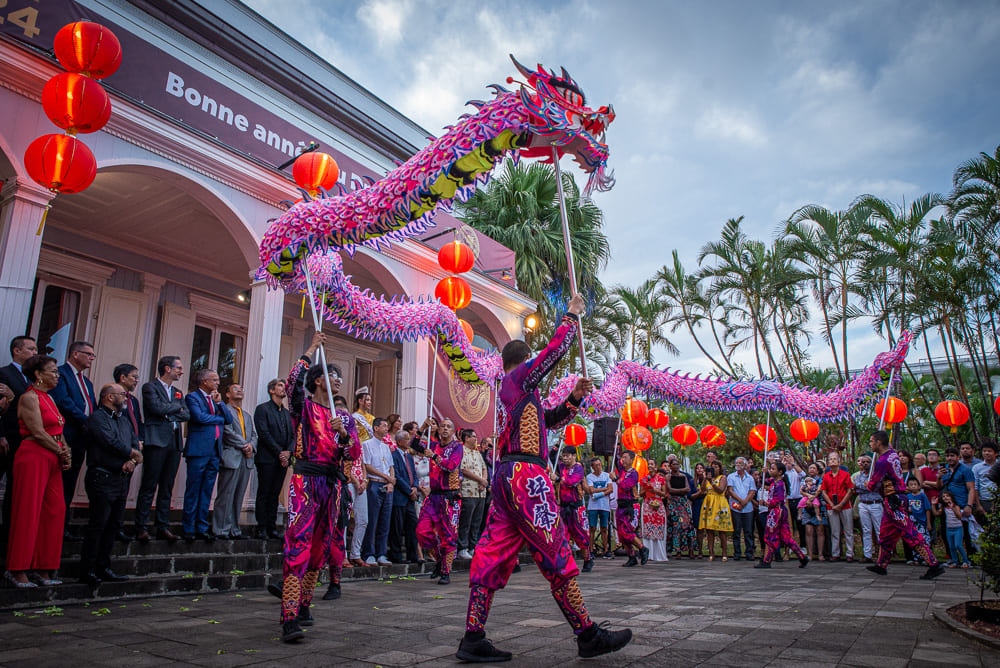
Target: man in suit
[
  {"x": 403, "y": 526},
  {"x": 74, "y": 395},
  {"x": 239, "y": 443},
  {"x": 165, "y": 411},
  {"x": 21, "y": 348},
  {"x": 127, "y": 375},
  {"x": 202, "y": 452},
  {"x": 275, "y": 440}
]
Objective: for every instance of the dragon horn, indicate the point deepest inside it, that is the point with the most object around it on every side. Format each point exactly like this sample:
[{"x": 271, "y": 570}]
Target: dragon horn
[{"x": 525, "y": 72}]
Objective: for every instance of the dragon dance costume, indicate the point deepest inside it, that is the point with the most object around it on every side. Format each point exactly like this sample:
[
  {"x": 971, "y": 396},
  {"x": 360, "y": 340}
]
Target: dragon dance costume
[
  {"x": 437, "y": 528},
  {"x": 777, "y": 530},
  {"x": 524, "y": 503},
  {"x": 625, "y": 514},
  {"x": 314, "y": 535},
  {"x": 571, "y": 508},
  {"x": 896, "y": 521}
]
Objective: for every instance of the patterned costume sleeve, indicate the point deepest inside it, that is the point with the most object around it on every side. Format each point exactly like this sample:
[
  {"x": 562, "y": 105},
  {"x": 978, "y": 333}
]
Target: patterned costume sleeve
[
  {"x": 879, "y": 472},
  {"x": 777, "y": 496},
  {"x": 527, "y": 376},
  {"x": 352, "y": 450},
  {"x": 628, "y": 480},
  {"x": 563, "y": 414},
  {"x": 297, "y": 389},
  {"x": 451, "y": 457},
  {"x": 572, "y": 477}
]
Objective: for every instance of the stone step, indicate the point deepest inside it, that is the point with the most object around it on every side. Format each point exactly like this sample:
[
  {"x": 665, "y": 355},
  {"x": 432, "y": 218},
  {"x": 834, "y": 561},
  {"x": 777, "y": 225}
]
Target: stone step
[
  {"x": 180, "y": 564},
  {"x": 71, "y": 548}
]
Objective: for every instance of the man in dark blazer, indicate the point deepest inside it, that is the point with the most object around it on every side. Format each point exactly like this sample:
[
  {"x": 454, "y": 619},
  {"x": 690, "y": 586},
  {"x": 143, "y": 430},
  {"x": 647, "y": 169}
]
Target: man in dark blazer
[
  {"x": 275, "y": 440},
  {"x": 127, "y": 375},
  {"x": 403, "y": 522},
  {"x": 21, "y": 348},
  {"x": 164, "y": 413},
  {"x": 74, "y": 395},
  {"x": 202, "y": 451}
]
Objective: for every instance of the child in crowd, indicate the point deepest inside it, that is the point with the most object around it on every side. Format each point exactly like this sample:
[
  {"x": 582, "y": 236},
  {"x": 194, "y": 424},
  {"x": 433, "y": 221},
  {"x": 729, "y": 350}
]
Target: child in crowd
[
  {"x": 809, "y": 503},
  {"x": 920, "y": 506},
  {"x": 953, "y": 526}
]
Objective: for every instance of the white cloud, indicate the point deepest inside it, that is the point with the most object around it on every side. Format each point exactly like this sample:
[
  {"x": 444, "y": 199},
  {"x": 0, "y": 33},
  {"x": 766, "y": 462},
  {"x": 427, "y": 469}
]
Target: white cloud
[{"x": 385, "y": 19}]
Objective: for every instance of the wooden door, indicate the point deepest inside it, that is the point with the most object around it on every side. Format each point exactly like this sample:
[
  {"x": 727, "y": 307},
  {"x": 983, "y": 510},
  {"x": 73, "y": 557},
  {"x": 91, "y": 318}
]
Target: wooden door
[{"x": 384, "y": 387}]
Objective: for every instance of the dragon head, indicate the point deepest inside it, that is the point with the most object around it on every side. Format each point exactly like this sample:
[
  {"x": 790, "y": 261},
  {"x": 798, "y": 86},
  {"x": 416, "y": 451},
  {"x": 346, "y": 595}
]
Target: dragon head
[{"x": 560, "y": 117}]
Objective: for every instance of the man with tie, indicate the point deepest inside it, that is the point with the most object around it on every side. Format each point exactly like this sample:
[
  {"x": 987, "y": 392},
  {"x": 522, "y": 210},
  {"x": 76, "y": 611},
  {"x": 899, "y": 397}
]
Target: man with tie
[
  {"x": 74, "y": 395},
  {"x": 127, "y": 375},
  {"x": 202, "y": 452},
  {"x": 165, "y": 411},
  {"x": 21, "y": 348},
  {"x": 403, "y": 526},
  {"x": 275, "y": 440},
  {"x": 239, "y": 443}
]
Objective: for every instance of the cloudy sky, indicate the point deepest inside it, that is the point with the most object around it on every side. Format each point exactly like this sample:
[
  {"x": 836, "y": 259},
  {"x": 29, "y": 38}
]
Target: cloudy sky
[{"x": 723, "y": 109}]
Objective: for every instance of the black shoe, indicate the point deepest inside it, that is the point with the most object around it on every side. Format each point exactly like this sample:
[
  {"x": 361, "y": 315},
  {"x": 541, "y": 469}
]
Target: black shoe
[
  {"x": 109, "y": 575},
  {"x": 71, "y": 534},
  {"x": 143, "y": 536},
  {"x": 274, "y": 533},
  {"x": 91, "y": 580},
  {"x": 189, "y": 538},
  {"x": 588, "y": 565},
  {"x": 779, "y": 558},
  {"x": 878, "y": 570},
  {"x": 932, "y": 572},
  {"x": 305, "y": 617},
  {"x": 205, "y": 536},
  {"x": 291, "y": 631},
  {"x": 803, "y": 562},
  {"x": 332, "y": 592},
  {"x": 123, "y": 537},
  {"x": 276, "y": 588},
  {"x": 643, "y": 558},
  {"x": 475, "y": 648},
  {"x": 749, "y": 557},
  {"x": 632, "y": 561},
  {"x": 762, "y": 564},
  {"x": 418, "y": 562},
  {"x": 168, "y": 535},
  {"x": 437, "y": 571},
  {"x": 601, "y": 641},
  {"x": 445, "y": 579},
  {"x": 517, "y": 568},
  {"x": 260, "y": 533}
]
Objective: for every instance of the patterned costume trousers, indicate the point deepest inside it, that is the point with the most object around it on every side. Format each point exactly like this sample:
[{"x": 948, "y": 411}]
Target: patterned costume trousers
[
  {"x": 896, "y": 524},
  {"x": 311, "y": 537},
  {"x": 777, "y": 532},
  {"x": 626, "y": 524},
  {"x": 575, "y": 521},
  {"x": 437, "y": 529}
]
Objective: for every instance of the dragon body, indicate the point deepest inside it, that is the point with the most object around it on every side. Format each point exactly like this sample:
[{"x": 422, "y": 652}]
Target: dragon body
[{"x": 548, "y": 110}]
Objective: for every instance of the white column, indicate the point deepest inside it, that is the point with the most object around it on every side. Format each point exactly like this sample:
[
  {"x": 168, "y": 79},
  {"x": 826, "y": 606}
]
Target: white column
[
  {"x": 263, "y": 342},
  {"x": 416, "y": 376},
  {"x": 22, "y": 207}
]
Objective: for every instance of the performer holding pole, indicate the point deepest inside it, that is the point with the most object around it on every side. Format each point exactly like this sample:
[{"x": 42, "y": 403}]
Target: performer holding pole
[
  {"x": 524, "y": 506},
  {"x": 777, "y": 529}
]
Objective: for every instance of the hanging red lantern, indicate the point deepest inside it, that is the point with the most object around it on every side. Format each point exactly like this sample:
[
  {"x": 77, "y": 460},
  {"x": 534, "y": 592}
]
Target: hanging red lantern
[
  {"x": 685, "y": 434},
  {"x": 575, "y": 435},
  {"x": 761, "y": 434},
  {"x": 453, "y": 292},
  {"x": 641, "y": 467},
  {"x": 88, "y": 48},
  {"x": 711, "y": 436},
  {"x": 76, "y": 103},
  {"x": 895, "y": 412},
  {"x": 456, "y": 257},
  {"x": 804, "y": 430},
  {"x": 952, "y": 414},
  {"x": 314, "y": 171},
  {"x": 637, "y": 438},
  {"x": 657, "y": 419},
  {"x": 467, "y": 328},
  {"x": 61, "y": 163},
  {"x": 634, "y": 412},
  {"x": 996, "y": 406}
]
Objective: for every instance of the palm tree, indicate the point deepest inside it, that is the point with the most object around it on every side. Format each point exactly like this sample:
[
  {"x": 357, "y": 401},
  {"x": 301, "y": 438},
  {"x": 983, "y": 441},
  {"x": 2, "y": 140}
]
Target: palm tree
[{"x": 643, "y": 315}]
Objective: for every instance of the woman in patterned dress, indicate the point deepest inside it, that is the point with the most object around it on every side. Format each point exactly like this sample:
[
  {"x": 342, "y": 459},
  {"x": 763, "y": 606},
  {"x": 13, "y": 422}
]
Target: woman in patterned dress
[
  {"x": 654, "y": 515},
  {"x": 681, "y": 527}
]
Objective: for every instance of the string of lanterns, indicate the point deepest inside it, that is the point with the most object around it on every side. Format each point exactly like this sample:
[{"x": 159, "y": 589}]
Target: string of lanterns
[{"x": 77, "y": 103}]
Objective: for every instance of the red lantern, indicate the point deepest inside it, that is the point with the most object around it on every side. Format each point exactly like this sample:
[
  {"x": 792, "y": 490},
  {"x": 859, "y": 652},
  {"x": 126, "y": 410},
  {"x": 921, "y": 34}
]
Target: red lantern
[
  {"x": 314, "y": 171},
  {"x": 456, "y": 257},
  {"x": 758, "y": 435},
  {"x": 467, "y": 328},
  {"x": 896, "y": 412},
  {"x": 996, "y": 406},
  {"x": 453, "y": 292},
  {"x": 952, "y": 414},
  {"x": 685, "y": 434},
  {"x": 637, "y": 438},
  {"x": 76, "y": 103},
  {"x": 60, "y": 163},
  {"x": 712, "y": 436},
  {"x": 634, "y": 412},
  {"x": 657, "y": 419},
  {"x": 88, "y": 48},
  {"x": 575, "y": 435},
  {"x": 804, "y": 430}
]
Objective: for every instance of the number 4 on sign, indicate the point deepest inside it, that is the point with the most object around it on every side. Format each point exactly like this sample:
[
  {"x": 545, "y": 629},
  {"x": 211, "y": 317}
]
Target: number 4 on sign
[{"x": 25, "y": 19}]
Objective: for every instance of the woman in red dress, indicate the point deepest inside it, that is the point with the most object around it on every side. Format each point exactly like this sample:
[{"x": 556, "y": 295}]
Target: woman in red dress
[{"x": 36, "y": 528}]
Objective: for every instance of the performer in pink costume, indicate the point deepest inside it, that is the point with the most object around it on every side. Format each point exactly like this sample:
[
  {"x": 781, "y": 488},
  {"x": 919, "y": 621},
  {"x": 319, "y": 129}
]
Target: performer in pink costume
[
  {"x": 325, "y": 442},
  {"x": 569, "y": 478},
  {"x": 627, "y": 514},
  {"x": 437, "y": 528},
  {"x": 896, "y": 522},
  {"x": 777, "y": 530},
  {"x": 524, "y": 505}
]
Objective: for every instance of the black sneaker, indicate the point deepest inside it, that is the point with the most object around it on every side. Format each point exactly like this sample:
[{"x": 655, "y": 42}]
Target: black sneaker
[
  {"x": 305, "y": 617},
  {"x": 437, "y": 571},
  {"x": 601, "y": 641},
  {"x": 332, "y": 592},
  {"x": 475, "y": 648},
  {"x": 643, "y": 558},
  {"x": 749, "y": 557},
  {"x": 932, "y": 572},
  {"x": 276, "y": 588},
  {"x": 762, "y": 564},
  {"x": 445, "y": 579},
  {"x": 291, "y": 631},
  {"x": 632, "y": 561},
  {"x": 878, "y": 570},
  {"x": 588, "y": 566},
  {"x": 517, "y": 568},
  {"x": 803, "y": 562}
]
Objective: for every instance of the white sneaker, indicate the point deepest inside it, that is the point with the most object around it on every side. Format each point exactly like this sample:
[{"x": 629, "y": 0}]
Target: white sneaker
[
  {"x": 464, "y": 554},
  {"x": 371, "y": 561},
  {"x": 382, "y": 561}
]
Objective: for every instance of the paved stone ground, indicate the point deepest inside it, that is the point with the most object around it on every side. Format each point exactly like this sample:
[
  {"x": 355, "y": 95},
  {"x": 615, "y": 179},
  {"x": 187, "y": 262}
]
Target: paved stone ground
[{"x": 683, "y": 614}]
